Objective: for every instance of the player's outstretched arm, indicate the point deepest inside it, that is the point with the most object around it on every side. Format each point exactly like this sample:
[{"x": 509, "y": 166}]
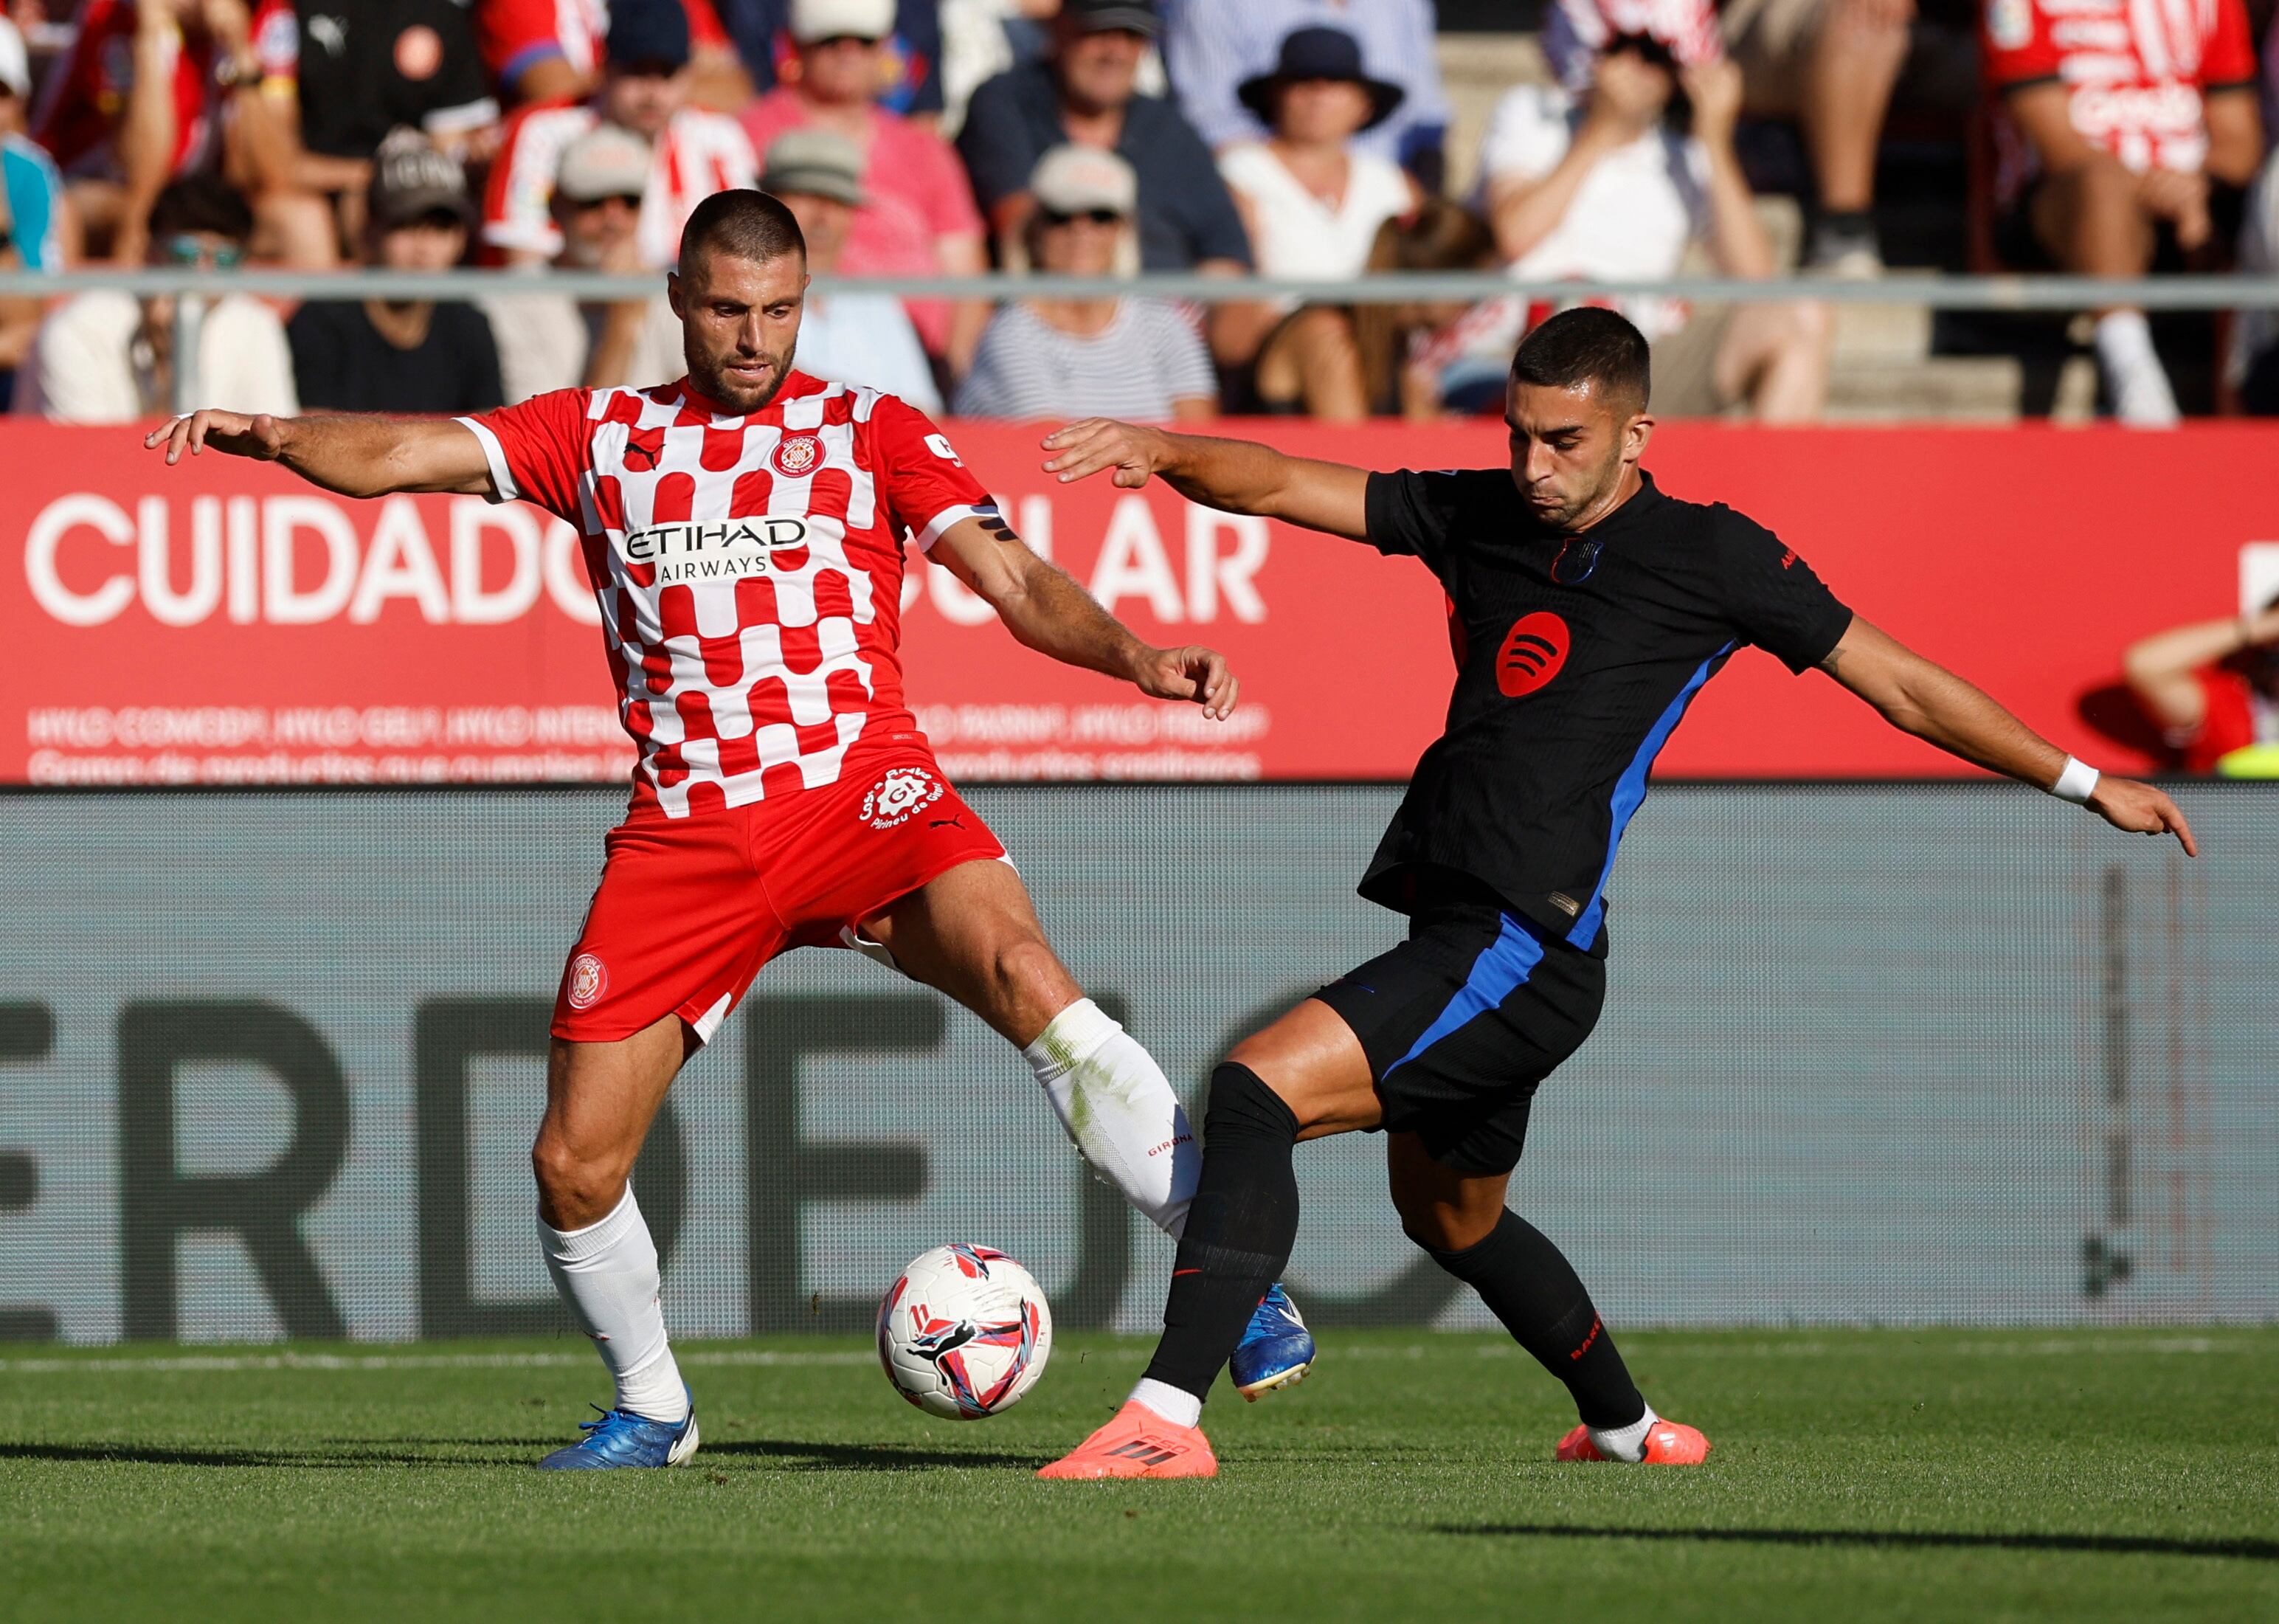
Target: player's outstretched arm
[
  {"x": 1046, "y": 610},
  {"x": 1923, "y": 698},
  {"x": 1234, "y": 476},
  {"x": 353, "y": 455}
]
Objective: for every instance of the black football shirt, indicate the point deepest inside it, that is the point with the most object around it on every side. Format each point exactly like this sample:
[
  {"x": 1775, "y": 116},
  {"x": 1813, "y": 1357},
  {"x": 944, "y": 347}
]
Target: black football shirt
[
  {"x": 1576, "y": 658},
  {"x": 368, "y": 65}
]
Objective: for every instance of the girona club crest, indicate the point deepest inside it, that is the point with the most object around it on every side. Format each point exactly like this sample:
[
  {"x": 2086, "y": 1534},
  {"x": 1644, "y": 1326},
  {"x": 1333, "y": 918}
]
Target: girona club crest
[
  {"x": 590, "y": 979},
  {"x": 898, "y": 796},
  {"x": 797, "y": 456}
]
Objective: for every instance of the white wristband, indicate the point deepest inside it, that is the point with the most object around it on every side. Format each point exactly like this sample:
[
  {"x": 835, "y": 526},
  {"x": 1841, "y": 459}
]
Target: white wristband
[{"x": 2076, "y": 783}]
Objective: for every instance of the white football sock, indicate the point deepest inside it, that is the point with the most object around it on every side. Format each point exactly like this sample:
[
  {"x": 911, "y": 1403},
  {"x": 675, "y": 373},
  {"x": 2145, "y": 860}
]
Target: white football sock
[
  {"x": 1114, "y": 1101},
  {"x": 2133, "y": 374},
  {"x": 1175, "y": 1405},
  {"x": 608, "y": 1274},
  {"x": 1625, "y": 1443}
]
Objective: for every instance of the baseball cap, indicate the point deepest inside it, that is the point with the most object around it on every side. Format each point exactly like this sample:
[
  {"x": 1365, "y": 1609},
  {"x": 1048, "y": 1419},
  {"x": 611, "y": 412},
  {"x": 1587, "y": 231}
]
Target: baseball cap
[
  {"x": 1100, "y": 16},
  {"x": 409, "y": 179},
  {"x": 648, "y": 31},
  {"x": 15, "y": 61},
  {"x": 607, "y": 161},
  {"x": 1072, "y": 179},
  {"x": 835, "y": 19},
  {"x": 819, "y": 162}
]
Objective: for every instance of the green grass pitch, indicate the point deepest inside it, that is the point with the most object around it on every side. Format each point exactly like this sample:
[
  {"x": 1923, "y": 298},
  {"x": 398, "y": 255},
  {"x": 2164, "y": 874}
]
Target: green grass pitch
[{"x": 2123, "y": 1473}]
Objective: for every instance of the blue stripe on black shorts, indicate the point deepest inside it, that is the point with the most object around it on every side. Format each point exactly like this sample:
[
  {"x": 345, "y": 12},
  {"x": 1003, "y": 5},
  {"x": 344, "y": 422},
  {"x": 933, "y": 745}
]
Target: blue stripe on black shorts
[{"x": 1462, "y": 1020}]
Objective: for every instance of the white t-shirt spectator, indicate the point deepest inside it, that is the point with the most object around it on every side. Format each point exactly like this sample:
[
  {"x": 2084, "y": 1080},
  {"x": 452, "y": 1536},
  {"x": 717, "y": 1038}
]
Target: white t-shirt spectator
[
  {"x": 86, "y": 365},
  {"x": 1133, "y": 368},
  {"x": 699, "y": 153},
  {"x": 1295, "y": 234},
  {"x": 1634, "y": 215}
]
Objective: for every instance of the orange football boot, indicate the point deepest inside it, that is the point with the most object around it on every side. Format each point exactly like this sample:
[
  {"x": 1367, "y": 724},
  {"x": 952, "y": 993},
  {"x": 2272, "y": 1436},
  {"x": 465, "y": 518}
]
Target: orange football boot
[
  {"x": 1139, "y": 1443},
  {"x": 1668, "y": 1443}
]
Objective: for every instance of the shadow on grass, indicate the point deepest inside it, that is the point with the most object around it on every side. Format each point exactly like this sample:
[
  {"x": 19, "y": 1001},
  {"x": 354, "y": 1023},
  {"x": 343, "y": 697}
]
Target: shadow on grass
[
  {"x": 810, "y": 1456},
  {"x": 381, "y": 1453},
  {"x": 2124, "y": 1545}
]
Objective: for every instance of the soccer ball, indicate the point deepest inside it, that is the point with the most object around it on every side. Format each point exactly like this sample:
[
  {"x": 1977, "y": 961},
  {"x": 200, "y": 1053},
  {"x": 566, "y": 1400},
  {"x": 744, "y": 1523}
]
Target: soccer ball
[{"x": 964, "y": 1332}]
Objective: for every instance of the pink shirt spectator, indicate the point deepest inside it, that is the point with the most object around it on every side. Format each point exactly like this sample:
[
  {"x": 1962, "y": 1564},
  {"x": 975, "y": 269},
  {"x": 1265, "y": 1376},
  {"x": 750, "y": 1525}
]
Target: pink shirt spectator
[{"x": 916, "y": 192}]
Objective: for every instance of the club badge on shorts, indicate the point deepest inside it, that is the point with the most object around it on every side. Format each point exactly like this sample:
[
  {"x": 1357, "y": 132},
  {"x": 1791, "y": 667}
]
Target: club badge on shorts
[
  {"x": 797, "y": 455},
  {"x": 590, "y": 979},
  {"x": 898, "y": 796}
]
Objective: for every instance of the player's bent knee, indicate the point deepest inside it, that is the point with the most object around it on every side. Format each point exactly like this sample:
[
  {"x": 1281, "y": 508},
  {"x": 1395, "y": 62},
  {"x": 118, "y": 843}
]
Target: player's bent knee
[{"x": 574, "y": 1189}]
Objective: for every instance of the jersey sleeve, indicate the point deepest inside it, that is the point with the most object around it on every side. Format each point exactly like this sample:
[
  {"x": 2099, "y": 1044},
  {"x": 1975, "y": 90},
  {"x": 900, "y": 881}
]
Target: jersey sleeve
[
  {"x": 2229, "y": 61},
  {"x": 1410, "y": 514},
  {"x": 539, "y": 450},
  {"x": 1772, "y": 596},
  {"x": 2017, "y": 45},
  {"x": 926, "y": 487}
]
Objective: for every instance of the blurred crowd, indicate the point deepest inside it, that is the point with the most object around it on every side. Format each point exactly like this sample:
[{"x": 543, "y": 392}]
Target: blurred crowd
[{"x": 1303, "y": 140}]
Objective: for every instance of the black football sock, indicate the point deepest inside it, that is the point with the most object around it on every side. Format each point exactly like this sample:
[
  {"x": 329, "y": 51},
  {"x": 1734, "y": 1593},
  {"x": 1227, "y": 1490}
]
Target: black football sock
[
  {"x": 1528, "y": 1284},
  {"x": 1240, "y": 1228}
]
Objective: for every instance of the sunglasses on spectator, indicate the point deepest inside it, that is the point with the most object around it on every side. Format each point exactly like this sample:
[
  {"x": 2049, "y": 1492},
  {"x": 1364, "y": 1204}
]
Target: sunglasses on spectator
[
  {"x": 631, "y": 200},
  {"x": 1098, "y": 217},
  {"x": 187, "y": 251}
]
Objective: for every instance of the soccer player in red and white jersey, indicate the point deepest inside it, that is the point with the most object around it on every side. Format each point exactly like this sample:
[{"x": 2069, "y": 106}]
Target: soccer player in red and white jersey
[
  {"x": 644, "y": 88},
  {"x": 744, "y": 529},
  {"x": 2115, "y": 117}
]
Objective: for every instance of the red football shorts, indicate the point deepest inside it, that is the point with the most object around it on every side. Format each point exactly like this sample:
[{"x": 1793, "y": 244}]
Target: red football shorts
[{"x": 689, "y": 908}]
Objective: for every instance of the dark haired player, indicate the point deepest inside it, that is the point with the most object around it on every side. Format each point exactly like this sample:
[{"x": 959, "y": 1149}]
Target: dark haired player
[
  {"x": 1587, "y": 608},
  {"x": 743, "y": 528}
]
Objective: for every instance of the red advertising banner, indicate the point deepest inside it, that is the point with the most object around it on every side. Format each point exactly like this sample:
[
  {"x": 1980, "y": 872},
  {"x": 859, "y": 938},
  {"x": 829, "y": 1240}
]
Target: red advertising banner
[{"x": 221, "y": 622}]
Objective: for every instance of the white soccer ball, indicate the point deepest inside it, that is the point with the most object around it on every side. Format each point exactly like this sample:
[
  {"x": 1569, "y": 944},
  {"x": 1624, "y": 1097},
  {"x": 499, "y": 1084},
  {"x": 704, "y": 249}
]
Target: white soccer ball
[{"x": 964, "y": 1332}]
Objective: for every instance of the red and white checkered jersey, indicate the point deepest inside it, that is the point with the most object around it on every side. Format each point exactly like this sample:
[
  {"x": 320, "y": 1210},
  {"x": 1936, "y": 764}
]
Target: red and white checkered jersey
[
  {"x": 749, "y": 568},
  {"x": 699, "y": 154},
  {"x": 2135, "y": 72}
]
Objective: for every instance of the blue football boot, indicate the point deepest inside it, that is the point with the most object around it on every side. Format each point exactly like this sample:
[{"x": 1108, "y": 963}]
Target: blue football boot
[
  {"x": 622, "y": 1439},
  {"x": 1277, "y": 1349}
]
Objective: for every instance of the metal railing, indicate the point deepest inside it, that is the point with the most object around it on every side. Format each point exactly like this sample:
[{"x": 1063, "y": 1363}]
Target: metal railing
[
  {"x": 1983, "y": 293},
  {"x": 2054, "y": 294}
]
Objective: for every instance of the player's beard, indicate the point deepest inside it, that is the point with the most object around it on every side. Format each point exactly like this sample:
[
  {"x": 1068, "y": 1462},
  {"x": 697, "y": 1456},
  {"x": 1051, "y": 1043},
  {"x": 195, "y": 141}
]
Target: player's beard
[{"x": 742, "y": 399}]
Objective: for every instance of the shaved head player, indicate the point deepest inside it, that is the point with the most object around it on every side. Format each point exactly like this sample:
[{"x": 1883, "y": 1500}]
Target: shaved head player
[
  {"x": 1587, "y": 608},
  {"x": 743, "y": 528}
]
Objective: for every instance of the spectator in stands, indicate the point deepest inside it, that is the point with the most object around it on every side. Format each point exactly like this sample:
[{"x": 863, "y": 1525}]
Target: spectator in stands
[
  {"x": 1137, "y": 359},
  {"x": 2212, "y": 686},
  {"x": 545, "y": 339},
  {"x": 847, "y": 335},
  {"x": 37, "y": 231},
  {"x": 403, "y": 354},
  {"x": 910, "y": 59},
  {"x": 543, "y": 51},
  {"x": 2251, "y": 367},
  {"x": 109, "y": 357},
  {"x": 356, "y": 69},
  {"x": 644, "y": 89},
  {"x": 2113, "y": 129},
  {"x": 1213, "y": 46},
  {"x": 1830, "y": 66},
  {"x": 1609, "y": 186},
  {"x": 918, "y": 218},
  {"x": 1313, "y": 199},
  {"x": 1085, "y": 91},
  {"x": 153, "y": 90},
  {"x": 1422, "y": 359}
]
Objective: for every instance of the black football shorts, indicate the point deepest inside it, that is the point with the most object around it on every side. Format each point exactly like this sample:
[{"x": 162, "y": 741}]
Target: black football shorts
[{"x": 1463, "y": 1019}]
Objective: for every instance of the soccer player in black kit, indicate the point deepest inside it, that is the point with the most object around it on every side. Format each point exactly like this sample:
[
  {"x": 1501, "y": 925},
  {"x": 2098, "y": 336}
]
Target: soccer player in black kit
[{"x": 1587, "y": 608}]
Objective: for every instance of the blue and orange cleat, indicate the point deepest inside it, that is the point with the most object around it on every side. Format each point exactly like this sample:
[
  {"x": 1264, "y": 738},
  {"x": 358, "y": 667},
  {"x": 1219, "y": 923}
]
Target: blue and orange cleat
[
  {"x": 1668, "y": 1443},
  {"x": 1277, "y": 1349},
  {"x": 1138, "y": 1442},
  {"x": 623, "y": 1439}
]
